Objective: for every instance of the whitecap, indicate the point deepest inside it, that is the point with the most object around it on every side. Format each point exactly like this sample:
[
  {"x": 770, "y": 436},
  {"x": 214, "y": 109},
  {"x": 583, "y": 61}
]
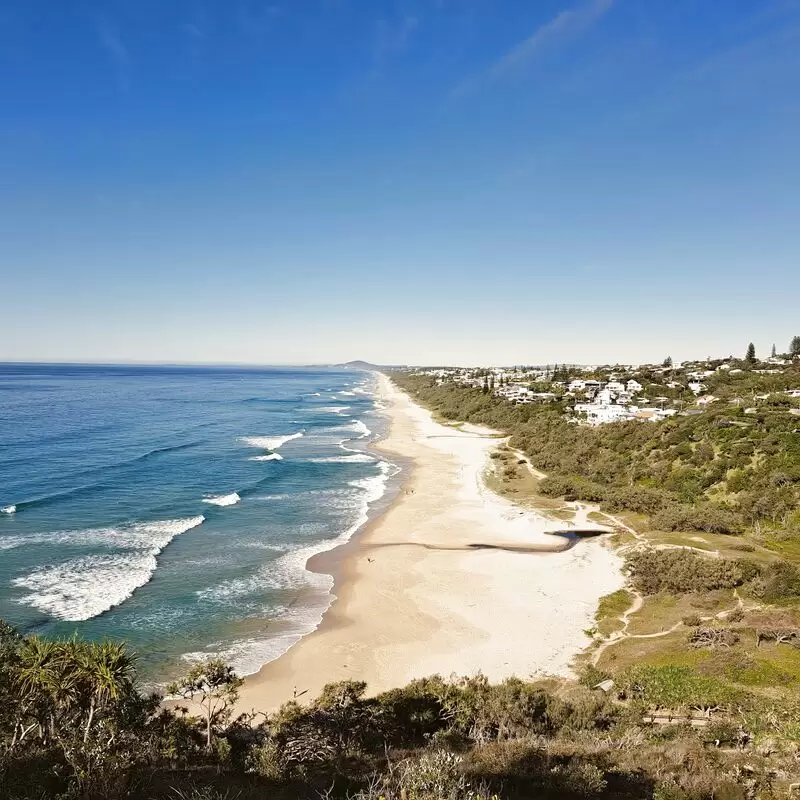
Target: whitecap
[
  {"x": 8, "y": 510},
  {"x": 359, "y": 427},
  {"x": 10, "y": 542},
  {"x": 269, "y": 442},
  {"x": 354, "y": 458},
  {"x": 268, "y": 457},
  {"x": 85, "y": 587},
  {"x": 223, "y": 500},
  {"x": 333, "y": 409}
]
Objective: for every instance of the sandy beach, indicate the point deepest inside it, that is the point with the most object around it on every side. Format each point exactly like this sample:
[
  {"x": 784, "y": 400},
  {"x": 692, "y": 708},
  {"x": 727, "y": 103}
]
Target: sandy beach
[{"x": 451, "y": 579}]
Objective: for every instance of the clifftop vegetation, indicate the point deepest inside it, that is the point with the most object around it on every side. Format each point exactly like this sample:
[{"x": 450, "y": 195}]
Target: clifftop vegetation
[{"x": 73, "y": 724}]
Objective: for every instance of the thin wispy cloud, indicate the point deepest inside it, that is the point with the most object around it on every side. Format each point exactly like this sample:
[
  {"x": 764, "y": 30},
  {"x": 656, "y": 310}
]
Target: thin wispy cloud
[
  {"x": 566, "y": 25},
  {"x": 193, "y": 31},
  {"x": 121, "y": 60},
  {"x": 391, "y": 39},
  {"x": 257, "y": 19}
]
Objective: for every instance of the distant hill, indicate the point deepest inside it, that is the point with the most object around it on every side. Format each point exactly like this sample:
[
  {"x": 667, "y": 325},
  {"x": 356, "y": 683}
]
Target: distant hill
[{"x": 362, "y": 365}]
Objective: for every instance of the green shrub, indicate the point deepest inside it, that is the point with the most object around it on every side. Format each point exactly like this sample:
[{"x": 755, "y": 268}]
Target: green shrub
[
  {"x": 678, "y": 571},
  {"x": 710, "y": 519},
  {"x": 578, "y": 778}
]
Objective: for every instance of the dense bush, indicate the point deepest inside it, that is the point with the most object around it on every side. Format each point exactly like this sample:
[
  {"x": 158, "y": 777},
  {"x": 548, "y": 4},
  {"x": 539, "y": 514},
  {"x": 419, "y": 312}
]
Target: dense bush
[
  {"x": 677, "y": 571},
  {"x": 459, "y": 739},
  {"x": 711, "y": 519},
  {"x": 780, "y": 580}
]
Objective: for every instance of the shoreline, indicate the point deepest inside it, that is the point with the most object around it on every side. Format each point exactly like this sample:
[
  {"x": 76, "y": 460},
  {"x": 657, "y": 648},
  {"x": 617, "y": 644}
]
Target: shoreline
[{"x": 449, "y": 577}]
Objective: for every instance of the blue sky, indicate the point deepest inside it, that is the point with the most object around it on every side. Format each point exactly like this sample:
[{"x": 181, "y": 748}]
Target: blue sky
[{"x": 421, "y": 181}]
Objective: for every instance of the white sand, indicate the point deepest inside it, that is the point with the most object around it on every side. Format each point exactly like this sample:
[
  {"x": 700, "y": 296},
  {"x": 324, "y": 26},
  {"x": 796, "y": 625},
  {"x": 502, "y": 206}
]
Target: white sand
[{"x": 406, "y": 609}]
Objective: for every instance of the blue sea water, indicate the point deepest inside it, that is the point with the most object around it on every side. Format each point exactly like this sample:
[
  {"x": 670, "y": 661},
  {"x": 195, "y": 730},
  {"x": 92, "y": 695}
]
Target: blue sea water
[{"x": 176, "y": 507}]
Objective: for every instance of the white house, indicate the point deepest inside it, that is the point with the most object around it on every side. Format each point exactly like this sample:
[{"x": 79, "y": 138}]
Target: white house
[
  {"x": 601, "y": 413},
  {"x": 633, "y": 386}
]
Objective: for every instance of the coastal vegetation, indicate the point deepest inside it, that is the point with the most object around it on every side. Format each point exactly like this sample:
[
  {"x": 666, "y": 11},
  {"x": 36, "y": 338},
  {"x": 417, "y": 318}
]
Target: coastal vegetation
[{"x": 73, "y": 724}]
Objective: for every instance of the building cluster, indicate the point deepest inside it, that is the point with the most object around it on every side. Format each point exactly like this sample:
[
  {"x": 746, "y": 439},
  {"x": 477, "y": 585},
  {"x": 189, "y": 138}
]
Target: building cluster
[{"x": 595, "y": 394}]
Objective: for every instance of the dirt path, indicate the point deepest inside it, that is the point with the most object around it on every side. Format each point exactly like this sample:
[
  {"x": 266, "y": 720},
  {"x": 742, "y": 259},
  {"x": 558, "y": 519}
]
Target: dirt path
[{"x": 582, "y": 512}]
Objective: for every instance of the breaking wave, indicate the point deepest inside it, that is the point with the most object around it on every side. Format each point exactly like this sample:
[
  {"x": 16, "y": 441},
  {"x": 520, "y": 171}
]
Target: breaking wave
[
  {"x": 87, "y": 586},
  {"x": 269, "y": 442},
  {"x": 333, "y": 409},
  {"x": 223, "y": 500},
  {"x": 359, "y": 427},
  {"x": 354, "y": 458}
]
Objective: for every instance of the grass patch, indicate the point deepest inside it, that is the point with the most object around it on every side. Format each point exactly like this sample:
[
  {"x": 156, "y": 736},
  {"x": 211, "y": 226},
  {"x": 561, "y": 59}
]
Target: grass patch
[
  {"x": 610, "y": 609},
  {"x": 622, "y": 538},
  {"x": 680, "y": 539},
  {"x": 522, "y": 488},
  {"x": 787, "y": 547},
  {"x": 630, "y": 652},
  {"x": 661, "y": 611}
]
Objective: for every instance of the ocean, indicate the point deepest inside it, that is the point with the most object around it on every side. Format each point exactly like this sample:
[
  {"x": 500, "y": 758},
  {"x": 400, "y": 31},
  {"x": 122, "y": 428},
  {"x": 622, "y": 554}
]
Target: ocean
[{"x": 176, "y": 507}]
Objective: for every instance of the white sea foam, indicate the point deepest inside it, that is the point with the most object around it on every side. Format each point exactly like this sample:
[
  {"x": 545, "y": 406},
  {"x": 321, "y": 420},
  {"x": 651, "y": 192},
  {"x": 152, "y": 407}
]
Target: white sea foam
[
  {"x": 269, "y": 442},
  {"x": 247, "y": 656},
  {"x": 268, "y": 457},
  {"x": 8, "y": 510},
  {"x": 273, "y": 497},
  {"x": 10, "y": 542},
  {"x": 359, "y": 427},
  {"x": 347, "y": 394},
  {"x": 333, "y": 409},
  {"x": 354, "y": 458},
  {"x": 223, "y": 500},
  {"x": 85, "y": 587}
]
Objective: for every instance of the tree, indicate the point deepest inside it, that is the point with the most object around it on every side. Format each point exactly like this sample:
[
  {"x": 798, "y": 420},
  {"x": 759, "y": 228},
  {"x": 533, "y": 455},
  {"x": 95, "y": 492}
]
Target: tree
[
  {"x": 750, "y": 356},
  {"x": 106, "y": 674},
  {"x": 212, "y": 685},
  {"x": 794, "y": 346},
  {"x": 667, "y": 362},
  {"x": 774, "y": 351},
  {"x": 485, "y": 385}
]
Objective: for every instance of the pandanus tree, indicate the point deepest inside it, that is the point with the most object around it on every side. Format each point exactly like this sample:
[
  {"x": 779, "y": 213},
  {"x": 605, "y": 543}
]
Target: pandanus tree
[
  {"x": 80, "y": 697},
  {"x": 212, "y": 685},
  {"x": 44, "y": 687},
  {"x": 105, "y": 675}
]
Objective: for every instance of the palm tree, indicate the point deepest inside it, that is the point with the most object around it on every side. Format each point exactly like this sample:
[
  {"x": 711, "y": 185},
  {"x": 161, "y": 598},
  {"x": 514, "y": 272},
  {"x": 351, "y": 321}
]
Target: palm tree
[
  {"x": 106, "y": 671},
  {"x": 43, "y": 684}
]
